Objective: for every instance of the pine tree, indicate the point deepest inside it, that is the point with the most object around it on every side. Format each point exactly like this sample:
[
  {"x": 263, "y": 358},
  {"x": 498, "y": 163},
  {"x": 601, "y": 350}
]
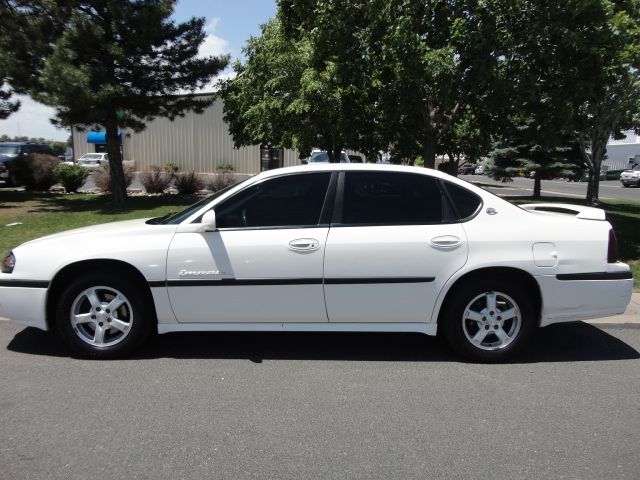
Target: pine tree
[{"x": 119, "y": 64}]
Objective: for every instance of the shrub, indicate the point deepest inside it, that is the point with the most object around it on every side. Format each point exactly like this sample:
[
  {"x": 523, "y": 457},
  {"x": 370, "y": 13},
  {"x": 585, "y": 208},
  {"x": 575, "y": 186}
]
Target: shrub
[
  {"x": 72, "y": 177},
  {"x": 221, "y": 180},
  {"x": 225, "y": 167},
  {"x": 172, "y": 168},
  {"x": 155, "y": 180},
  {"x": 35, "y": 171},
  {"x": 188, "y": 183},
  {"x": 102, "y": 178}
]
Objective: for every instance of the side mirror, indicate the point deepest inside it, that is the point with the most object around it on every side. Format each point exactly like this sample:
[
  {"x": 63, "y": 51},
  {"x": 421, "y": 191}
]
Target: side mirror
[{"x": 209, "y": 221}]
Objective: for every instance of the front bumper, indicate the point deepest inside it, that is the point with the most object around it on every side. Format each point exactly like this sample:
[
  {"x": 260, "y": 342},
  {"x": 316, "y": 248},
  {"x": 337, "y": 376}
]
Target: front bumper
[
  {"x": 568, "y": 298},
  {"x": 24, "y": 305},
  {"x": 630, "y": 181}
]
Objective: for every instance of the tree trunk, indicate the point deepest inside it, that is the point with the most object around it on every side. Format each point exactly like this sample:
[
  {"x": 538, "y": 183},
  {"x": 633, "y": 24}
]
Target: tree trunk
[
  {"x": 593, "y": 188},
  {"x": 537, "y": 186},
  {"x": 454, "y": 164},
  {"x": 337, "y": 153},
  {"x": 118, "y": 186},
  {"x": 429, "y": 150}
]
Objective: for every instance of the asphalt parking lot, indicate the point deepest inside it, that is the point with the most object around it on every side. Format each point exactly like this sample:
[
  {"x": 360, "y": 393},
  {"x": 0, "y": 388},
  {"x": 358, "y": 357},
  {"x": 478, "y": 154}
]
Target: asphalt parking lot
[{"x": 296, "y": 406}]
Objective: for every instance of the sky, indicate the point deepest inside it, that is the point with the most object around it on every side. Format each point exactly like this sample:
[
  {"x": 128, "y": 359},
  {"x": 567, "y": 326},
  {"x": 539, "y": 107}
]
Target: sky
[{"x": 229, "y": 24}]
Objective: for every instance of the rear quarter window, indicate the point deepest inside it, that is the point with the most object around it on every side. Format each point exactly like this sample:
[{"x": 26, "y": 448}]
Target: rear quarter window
[{"x": 465, "y": 202}]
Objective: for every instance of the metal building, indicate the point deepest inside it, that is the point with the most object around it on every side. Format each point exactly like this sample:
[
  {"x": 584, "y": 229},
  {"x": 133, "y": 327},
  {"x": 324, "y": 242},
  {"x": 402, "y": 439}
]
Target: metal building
[
  {"x": 623, "y": 153},
  {"x": 198, "y": 142}
]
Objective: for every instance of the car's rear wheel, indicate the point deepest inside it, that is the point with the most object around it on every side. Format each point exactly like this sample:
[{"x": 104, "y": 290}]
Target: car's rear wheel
[
  {"x": 489, "y": 321},
  {"x": 102, "y": 316}
]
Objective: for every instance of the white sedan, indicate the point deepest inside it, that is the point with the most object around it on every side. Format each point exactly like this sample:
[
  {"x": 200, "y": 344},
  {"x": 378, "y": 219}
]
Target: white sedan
[
  {"x": 347, "y": 247},
  {"x": 94, "y": 161}
]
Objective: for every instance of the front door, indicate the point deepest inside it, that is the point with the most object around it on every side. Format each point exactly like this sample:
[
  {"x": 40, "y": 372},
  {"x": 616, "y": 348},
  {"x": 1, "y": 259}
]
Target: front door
[{"x": 265, "y": 261}]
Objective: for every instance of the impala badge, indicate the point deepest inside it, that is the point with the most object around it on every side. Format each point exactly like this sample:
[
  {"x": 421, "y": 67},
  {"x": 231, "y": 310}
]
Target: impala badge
[{"x": 200, "y": 273}]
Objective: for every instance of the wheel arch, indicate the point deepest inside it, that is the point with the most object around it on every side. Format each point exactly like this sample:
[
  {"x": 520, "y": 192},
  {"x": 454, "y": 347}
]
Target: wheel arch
[
  {"x": 516, "y": 275},
  {"x": 73, "y": 270}
]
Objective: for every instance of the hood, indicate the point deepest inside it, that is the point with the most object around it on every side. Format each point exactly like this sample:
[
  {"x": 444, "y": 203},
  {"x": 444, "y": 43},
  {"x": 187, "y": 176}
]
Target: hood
[{"x": 107, "y": 229}]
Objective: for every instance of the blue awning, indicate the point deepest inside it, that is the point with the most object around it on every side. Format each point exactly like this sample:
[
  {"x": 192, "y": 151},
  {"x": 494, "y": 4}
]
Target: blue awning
[{"x": 100, "y": 138}]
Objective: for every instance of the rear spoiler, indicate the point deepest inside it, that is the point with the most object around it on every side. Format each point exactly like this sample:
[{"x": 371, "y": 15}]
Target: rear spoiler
[{"x": 585, "y": 213}]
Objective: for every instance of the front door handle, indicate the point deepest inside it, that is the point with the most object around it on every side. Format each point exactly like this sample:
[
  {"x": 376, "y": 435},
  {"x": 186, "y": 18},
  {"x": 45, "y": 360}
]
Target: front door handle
[
  {"x": 446, "y": 242},
  {"x": 304, "y": 244}
]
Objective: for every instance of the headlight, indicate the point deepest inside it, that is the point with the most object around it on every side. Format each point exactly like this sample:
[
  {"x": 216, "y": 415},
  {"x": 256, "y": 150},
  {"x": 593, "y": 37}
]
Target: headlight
[{"x": 8, "y": 263}]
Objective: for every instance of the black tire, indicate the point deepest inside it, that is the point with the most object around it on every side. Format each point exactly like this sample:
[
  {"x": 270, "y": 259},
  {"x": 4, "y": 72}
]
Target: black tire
[
  {"x": 136, "y": 312},
  {"x": 468, "y": 299},
  {"x": 625, "y": 185}
]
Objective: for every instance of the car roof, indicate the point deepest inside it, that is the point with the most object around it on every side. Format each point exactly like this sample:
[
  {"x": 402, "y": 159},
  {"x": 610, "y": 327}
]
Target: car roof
[
  {"x": 358, "y": 167},
  {"x": 371, "y": 167}
]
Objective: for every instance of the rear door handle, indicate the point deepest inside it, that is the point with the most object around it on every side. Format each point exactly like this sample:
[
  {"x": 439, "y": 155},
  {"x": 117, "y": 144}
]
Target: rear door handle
[
  {"x": 446, "y": 242},
  {"x": 304, "y": 244}
]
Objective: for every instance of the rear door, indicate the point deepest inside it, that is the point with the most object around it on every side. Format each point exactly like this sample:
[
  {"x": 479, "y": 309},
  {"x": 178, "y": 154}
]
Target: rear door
[{"x": 393, "y": 244}]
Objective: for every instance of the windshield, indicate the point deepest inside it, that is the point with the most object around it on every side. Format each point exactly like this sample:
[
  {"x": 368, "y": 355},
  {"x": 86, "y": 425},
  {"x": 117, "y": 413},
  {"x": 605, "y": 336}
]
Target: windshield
[
  {"x": 91, "y": 156},
  {"x": 8, "y": 150},
  {"x": 175, "y": 218}
]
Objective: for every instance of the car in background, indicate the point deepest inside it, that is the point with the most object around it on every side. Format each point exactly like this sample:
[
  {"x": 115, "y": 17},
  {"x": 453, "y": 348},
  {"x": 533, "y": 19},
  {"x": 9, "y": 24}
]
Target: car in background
[
  {"x": 479, "y": 170},
  {"x": 335, "y": 248},
  {"x": 631, "y": 177},
  {"x": 10, "y": 151},
  {"x": 93, "y": 161},
  {"x": 355, "y": 159},
  {"x": 466, "y": 169},
  {"x": 321, "y": 156}
]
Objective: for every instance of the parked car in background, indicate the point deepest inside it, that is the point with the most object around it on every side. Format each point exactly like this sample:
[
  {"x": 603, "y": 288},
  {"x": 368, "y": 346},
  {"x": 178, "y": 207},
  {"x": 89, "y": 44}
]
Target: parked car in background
[
  {"x": 355, "y": 159},
  {"x": 631, "y": 177},
  {"x": 321, "y": 156},
  {"x": 93, "y": 161},
  {"x": 466, "y": 169},
  {"x": 325, "y": 248},
  {"x": 10, "y": 151},
  {"x": 479, "y": 170}
]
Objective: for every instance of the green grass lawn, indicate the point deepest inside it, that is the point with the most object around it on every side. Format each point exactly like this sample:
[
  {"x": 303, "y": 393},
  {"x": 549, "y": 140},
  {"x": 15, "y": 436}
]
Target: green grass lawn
[{"x": 42, "y": 213}]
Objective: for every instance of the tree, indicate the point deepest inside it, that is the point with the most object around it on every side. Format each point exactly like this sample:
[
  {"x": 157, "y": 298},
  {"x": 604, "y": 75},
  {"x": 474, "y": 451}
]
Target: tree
[
  {"x": 7, "y": 107},
  {"x": 524, "y": 152},
  {"x": 438, "y": 59},
  {"x": 611, "y": 94},
  {"x": 302, "y": 89},
  {"x": 26, "y": 30},
  {"x": 574, "y": 68},
  {"x": 119, "y": 64},
  {"x": 421, "y": 63},
  {"x": 468, "y": 139}
]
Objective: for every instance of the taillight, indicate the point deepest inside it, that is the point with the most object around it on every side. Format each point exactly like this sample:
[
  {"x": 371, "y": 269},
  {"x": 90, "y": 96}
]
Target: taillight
[{"x": 612, "y": 250}]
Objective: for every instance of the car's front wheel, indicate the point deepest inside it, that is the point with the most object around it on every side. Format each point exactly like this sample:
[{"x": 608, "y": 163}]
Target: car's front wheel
[
  {"x": 488, "y": 321},
  {"x": 103, "y": 316}
]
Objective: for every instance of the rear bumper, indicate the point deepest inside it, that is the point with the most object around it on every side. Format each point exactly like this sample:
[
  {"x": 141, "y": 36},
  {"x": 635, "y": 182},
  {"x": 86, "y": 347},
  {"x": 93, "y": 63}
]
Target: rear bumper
[
  {"x": 572, "y": 297},
  {"x": 24, "y": 305}
]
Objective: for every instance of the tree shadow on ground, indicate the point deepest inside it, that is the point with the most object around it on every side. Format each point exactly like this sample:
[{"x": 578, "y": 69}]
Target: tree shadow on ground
[{"x": 575, "y": 342}]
